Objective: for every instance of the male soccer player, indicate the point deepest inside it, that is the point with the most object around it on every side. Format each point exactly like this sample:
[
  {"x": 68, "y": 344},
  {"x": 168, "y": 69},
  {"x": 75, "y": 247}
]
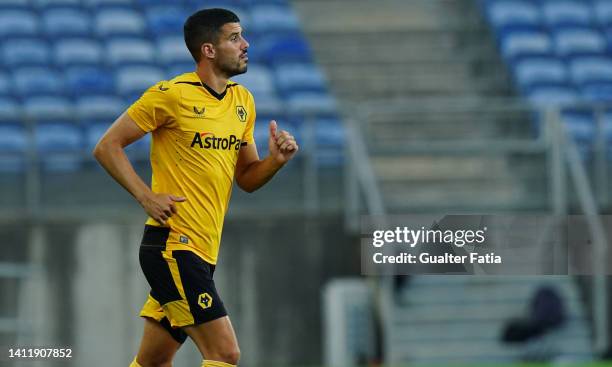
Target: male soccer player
[{"x": 202, "y": 129}]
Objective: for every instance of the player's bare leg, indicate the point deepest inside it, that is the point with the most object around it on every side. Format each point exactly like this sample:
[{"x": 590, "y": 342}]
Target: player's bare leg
[
  {"x": 157, "y": 348},
  {"x": 216, "y": 341}
]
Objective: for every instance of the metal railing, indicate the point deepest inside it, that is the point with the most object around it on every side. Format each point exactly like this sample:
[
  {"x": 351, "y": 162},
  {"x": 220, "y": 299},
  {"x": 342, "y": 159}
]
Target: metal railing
[{"x": 563, "y": 161}]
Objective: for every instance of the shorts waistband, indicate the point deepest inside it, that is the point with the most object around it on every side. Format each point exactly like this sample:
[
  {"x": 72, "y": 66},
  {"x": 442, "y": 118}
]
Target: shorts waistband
[{"x": 155, "y": 236}]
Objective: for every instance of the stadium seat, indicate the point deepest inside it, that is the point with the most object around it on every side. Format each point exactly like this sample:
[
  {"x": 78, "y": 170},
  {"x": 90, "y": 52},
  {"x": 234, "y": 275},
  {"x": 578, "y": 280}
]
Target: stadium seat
[
  {"x": 603, "y": 11},
  {"x": 57, "y": 3},
  {"x": 572, "y": 42},
  {"x": 591, "y": 69},
  {"x": 560, "y": 13},
  {"x": 102, "y": 4},
  {"x": 180, "y": 68},
  {"x": 60, "y": 146},
  {"x": 284, "y": 49},
  {"x": 553, "y": 95},
  {"x": 258, "y": 79},
  {"x": 99, "y": 108},
  {"x": 31, "y": 81},
  {"x": 513, "y": 13},
  {"x": 5, "y": 84},
  {"x": 274, "y": 18},
  {"x": 599, "y": 91},
  {"x": 119, "y": 22},
  {"x": 171, "y": 50},
  {"x": 580, "y": 125},
  {"x": 50, "y": 107},
  {"x": 124, "y": 51},
  {"x": 539, "y": 70},
  {"x": 82, "y": 81},
  {"x": 9, "y": 110},
  {"x": 25, "y": 52},
  {"x": 311, "y": 104},
  {"x": 165, "y": 20},
  {"x": 299, "y": 77},
  {"x": 18, "y": 22},
  {"x": 135, "y": 80},
  {"x": 15, "y": 4},
  {"x": 13, "y": 148},
  {"x": 77, "y": 52},
  {"x": 268, "y": 104},
  {"x": 66, "y": 22},
  {"x": 519, "y": 44}
]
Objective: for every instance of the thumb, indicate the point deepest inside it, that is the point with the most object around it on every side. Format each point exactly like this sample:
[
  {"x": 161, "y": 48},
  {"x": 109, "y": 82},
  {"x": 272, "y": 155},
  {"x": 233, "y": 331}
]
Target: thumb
[
  {"x": 273, "y": 129},
  {"x": 178, "y": 198}
]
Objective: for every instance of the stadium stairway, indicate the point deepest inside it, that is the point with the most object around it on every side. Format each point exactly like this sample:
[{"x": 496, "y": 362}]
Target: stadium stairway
[
  {"x": 442, "y": 320},
  {"x": 425, "y": 53}
]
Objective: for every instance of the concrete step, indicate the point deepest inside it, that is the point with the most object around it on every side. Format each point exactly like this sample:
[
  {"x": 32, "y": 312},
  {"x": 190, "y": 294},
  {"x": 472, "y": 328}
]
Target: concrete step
[{"x": 411, "y": 168}]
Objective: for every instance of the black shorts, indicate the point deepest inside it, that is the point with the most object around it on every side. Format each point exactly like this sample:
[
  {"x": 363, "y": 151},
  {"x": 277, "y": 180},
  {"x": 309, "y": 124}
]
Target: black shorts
[{"x": 183, "y": 292}]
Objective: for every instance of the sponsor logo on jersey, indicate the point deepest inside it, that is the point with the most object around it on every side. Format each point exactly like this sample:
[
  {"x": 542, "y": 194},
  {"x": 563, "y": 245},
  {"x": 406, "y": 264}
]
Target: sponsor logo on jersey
[
  {"x": 199, "y": 112},
  {"x": 210, "y": 141},
  {"x": 162, "y": 87}
]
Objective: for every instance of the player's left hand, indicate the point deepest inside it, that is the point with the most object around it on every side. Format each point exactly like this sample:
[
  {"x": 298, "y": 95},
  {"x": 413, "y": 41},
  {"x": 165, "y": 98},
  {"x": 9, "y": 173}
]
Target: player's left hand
[{"x": 282, "y": 145}]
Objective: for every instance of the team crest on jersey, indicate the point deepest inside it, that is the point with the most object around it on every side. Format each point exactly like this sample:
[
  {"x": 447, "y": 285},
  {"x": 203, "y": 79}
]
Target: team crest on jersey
[
  {"x": 205, "y": 300},
  {"x": 199, "y": 112},
  {"x": 241, "y": 112}
]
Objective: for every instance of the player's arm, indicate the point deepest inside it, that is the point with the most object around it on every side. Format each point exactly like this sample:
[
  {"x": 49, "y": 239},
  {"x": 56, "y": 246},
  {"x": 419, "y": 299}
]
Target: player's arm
[
  {"x": 251, "y": 172},
  {"x": 110, "y": 153}
]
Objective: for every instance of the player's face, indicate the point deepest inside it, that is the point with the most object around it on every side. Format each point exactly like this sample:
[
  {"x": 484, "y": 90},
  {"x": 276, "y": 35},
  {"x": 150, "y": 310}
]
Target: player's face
[{"x": 232, "y": 58}]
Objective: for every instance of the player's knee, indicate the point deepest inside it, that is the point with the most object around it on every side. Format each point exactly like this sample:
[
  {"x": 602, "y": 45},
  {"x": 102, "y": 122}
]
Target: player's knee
[{"x": 230, "y": 355}]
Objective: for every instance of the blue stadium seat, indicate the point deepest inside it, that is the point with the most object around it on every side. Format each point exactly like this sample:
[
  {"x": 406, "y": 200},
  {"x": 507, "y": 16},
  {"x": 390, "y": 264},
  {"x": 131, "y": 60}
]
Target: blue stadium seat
[
  {"x": 597, "y": 91},
  {"x": 166, "y": 20},
  {"x": 77, "y": 51},
  {"x": 82, "y": 81},
  {"x": 60, "y": 146},
  {"x": 591, "y": 69},
  {"x": 274, "y": 18},
  {"x": 66, "y": 22},
  {"x": 132, "y": 81},
  {"x": 101, "y": 4},
  {"x": 180, "y": 68},
  {"x": 140, "y": 149},
  {"x": 15, "y": 4},
  {"x": 560, "y": 13},
  {"x": 57, "y": 3},
  {"x": 119, "y": 22},
  {"x": 45, "y": 108},
  {"x": 99, "y": 108},
  {"x": 258, "y": 79},
  {"x": 572, "y": 42},
  {"x": 30, "y": 81},
  {"x": 129, "y": 51},
  {"x": 172, "y": 50},
  {"x": 268, "y": 104},
  {"x": 553, "y": 95},
  {"x": 580, "y": 125},
  {"x": 5, "y": 85},
  {"x": 13, "y": 148},
  {"x": 26, "y": 51},
  {"x": 603, "y": 11},
  {"x": 9, "y": 109},
  {"x": 311, "y": 104},
  {"x": 513, "y": 13},
  {"x": 18, "y": 22},
  {"x": 299, "y": 77},
  {"x": 330, "y": 138},
  {"x": 539, "y": 70},
  {"x": 518, "y": 44},
  {"x": 284, "y": 48}
]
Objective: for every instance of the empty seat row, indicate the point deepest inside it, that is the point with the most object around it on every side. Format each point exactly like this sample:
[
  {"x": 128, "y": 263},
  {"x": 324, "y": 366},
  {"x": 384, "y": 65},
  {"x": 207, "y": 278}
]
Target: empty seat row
[{"x": 551, "y": 13}]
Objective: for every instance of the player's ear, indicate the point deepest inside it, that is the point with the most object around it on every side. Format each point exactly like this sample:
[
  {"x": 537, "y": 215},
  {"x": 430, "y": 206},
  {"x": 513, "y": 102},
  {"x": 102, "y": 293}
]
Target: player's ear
[{"x": 208, "y": 50}]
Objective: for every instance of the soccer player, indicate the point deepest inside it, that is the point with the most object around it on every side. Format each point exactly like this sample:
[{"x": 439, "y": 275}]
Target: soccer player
[{"x": 202, "y": 129}]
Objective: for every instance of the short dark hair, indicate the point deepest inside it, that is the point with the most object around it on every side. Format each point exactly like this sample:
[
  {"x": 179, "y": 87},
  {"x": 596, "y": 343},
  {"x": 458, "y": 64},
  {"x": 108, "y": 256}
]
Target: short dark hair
[{"x": 204, "y": 26}]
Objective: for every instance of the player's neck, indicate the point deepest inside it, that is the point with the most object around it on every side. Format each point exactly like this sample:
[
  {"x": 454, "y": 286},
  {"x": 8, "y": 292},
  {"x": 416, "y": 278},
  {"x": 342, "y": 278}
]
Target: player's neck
[{"x": 215, "y": 81}]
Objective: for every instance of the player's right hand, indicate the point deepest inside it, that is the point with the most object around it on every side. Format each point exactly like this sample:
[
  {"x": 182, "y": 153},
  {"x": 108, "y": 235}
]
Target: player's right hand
[{"x": 161, "y": 206}]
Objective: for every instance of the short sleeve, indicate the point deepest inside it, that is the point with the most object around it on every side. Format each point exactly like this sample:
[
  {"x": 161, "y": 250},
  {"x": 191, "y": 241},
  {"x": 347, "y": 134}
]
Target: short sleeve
[
  {"x": 247, "y": 136},
  {"x": 154, "y": 109}
]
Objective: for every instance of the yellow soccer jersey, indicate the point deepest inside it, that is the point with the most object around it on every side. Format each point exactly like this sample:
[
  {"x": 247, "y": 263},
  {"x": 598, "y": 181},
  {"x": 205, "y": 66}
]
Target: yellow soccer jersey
[{"x": 197, "y": 134}]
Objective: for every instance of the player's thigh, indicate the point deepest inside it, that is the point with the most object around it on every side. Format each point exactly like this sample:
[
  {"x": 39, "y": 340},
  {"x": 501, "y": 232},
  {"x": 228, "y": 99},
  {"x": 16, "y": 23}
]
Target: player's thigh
[
  {"x": 215, "y": 338},
  {"x": 157, "y": 347}
]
